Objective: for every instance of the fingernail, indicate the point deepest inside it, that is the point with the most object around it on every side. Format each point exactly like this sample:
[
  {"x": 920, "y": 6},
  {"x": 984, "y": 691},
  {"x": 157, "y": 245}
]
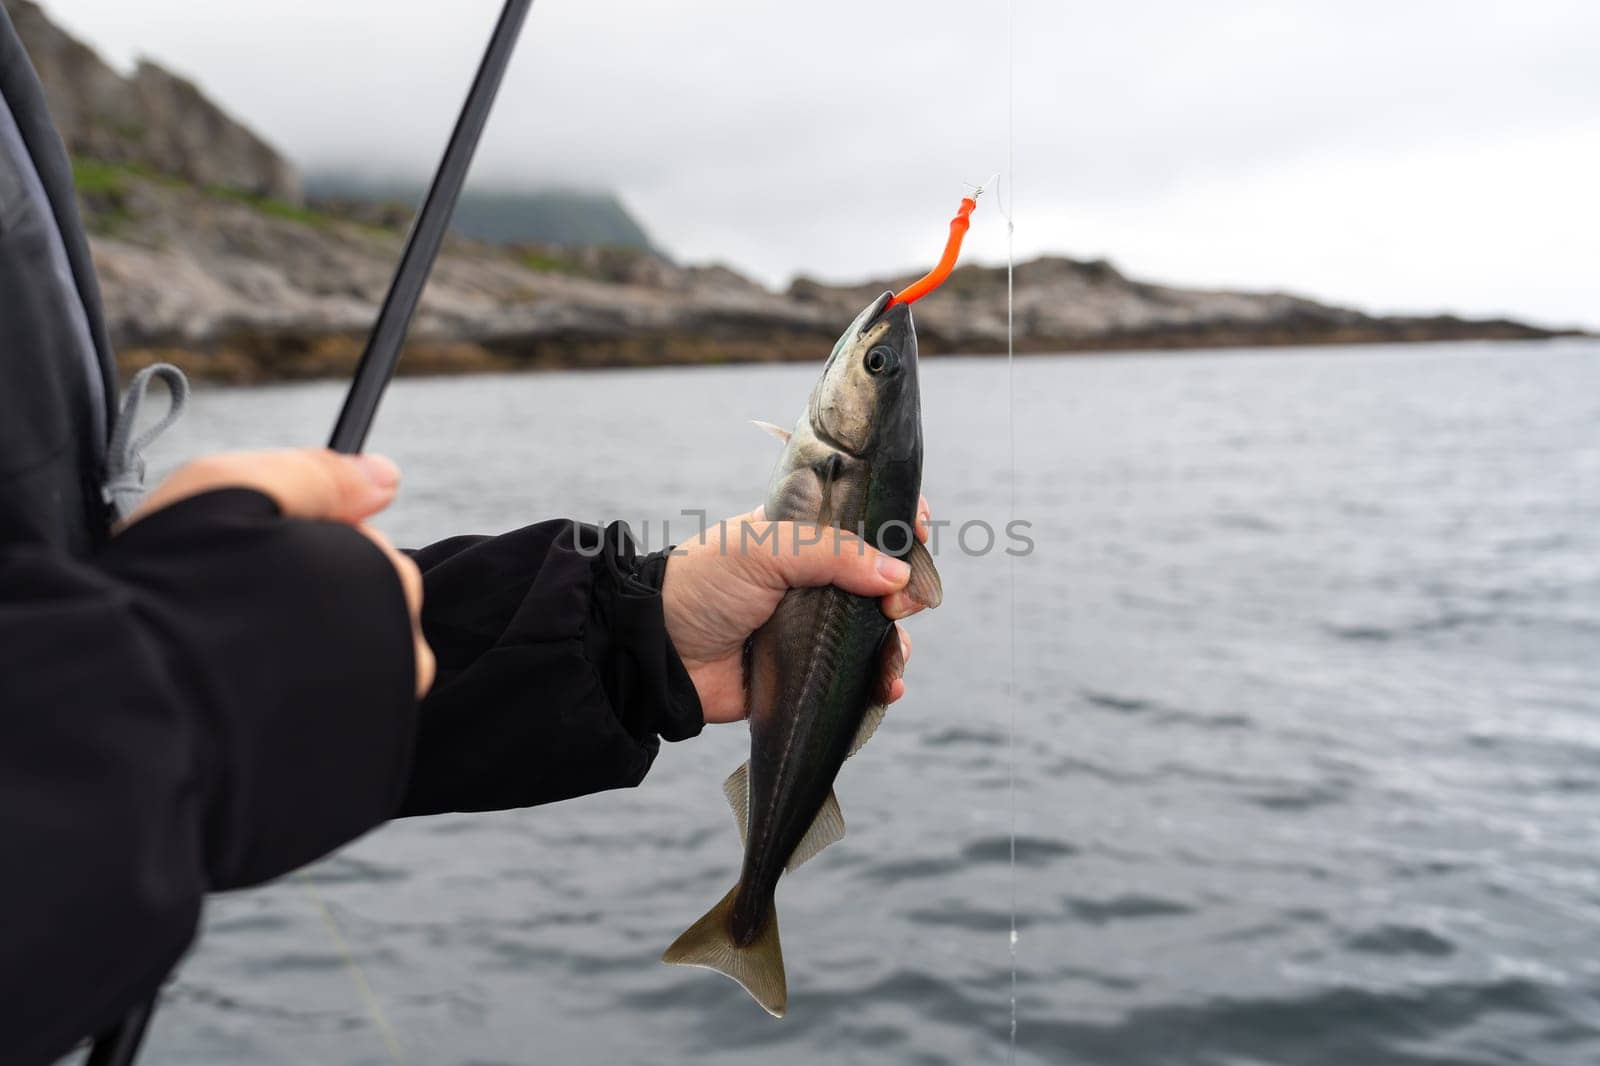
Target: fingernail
[
  {"x": 898, "y": 605},
  {"x": 893, "y": 569},
  {"x": 380, "y": 470}
]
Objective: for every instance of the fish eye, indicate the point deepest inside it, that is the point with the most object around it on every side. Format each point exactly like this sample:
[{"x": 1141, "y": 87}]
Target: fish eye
[{"x": 882, "y": 360}]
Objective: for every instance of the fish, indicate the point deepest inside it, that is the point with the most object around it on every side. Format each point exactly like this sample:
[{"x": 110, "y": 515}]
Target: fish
[{"x": 819, "y": 671}]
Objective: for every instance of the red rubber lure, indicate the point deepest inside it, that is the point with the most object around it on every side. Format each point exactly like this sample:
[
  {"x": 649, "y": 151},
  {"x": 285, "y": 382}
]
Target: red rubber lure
[{"x": 947, "y": 262}]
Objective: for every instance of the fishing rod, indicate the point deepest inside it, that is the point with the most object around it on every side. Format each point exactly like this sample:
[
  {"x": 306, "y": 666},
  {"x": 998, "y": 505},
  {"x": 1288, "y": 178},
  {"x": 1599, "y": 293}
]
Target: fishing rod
[
  {"x": 119, "y": 1045},
  {"x": 388, "y": 334}
]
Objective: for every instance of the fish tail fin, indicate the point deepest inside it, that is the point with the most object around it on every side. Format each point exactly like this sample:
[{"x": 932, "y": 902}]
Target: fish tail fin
[{"x": 758, "y": 966}]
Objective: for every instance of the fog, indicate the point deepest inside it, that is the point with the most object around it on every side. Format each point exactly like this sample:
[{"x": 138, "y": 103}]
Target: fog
[{"x": 1418, "y": 157}]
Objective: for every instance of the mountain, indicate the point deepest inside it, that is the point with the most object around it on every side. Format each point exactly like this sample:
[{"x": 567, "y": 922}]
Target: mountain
[{"x": 567, "y": 218}]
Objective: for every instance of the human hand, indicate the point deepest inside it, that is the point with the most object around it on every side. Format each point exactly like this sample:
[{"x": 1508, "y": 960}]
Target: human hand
[
  {"x": 715, "y": 595},
  {"x": 311, "y": 483}
]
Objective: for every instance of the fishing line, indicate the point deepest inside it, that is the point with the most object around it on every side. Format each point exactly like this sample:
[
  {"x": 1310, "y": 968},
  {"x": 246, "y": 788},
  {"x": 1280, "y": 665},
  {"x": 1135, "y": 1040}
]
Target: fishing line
[
  {"x": 352, "y": 966},
  {"x": 1006, "y": 206}
]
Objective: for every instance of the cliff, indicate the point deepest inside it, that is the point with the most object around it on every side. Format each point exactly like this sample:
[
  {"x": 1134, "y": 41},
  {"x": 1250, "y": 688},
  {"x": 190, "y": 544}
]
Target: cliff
[{"x": 153, "y": 118}]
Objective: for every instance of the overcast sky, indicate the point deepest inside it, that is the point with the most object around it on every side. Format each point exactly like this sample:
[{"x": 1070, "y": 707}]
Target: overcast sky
[{"x": 1413, "y": 155}]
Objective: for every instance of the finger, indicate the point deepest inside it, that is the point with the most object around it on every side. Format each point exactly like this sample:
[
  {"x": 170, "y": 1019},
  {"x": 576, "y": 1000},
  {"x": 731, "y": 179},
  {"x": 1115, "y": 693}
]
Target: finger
[
  {"x": 411, "y": 586},
  {"x": 428, "y": 666},
  {"x": 924, "y": 516},
  {"x": 410, "y": 575},
  {"x": 899, "y": 605},
  {"x": 891, "y": 667},
  {"x": 905, "y": 645},
  {"x": 896, "y": 690},
  {"x": 806, "y": 556},
  {"x": 305, "y": 483}
]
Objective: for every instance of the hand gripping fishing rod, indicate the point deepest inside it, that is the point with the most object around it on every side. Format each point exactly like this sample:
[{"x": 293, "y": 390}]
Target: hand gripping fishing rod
[{"x": 119, "y": 1045}]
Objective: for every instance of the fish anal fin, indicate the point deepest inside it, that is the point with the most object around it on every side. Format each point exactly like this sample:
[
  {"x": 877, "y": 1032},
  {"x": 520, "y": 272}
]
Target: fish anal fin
[
  {"x": 925, "y": 585},
  {"x": 826, "y": 828},
  {"x": 891, "y": 667},
  {"x": 737, "y": 789},
  {"x": 869, "y": 725},
  {"x": 768, "y": 427},
  {"x": 756, "y": 966}
]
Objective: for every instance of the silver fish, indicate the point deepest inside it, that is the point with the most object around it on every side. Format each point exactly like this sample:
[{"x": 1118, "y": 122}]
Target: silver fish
[{"x": 821, "y": 667}]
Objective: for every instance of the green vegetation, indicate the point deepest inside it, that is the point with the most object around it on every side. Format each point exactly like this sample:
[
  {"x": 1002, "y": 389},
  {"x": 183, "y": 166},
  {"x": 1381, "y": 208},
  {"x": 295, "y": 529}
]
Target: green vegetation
[
  {"x": 546, "y": 263},
  {"x": 94, "y": 178},
  {"x": 274, "y": 208},
  {"x": 105, "y": 189}
]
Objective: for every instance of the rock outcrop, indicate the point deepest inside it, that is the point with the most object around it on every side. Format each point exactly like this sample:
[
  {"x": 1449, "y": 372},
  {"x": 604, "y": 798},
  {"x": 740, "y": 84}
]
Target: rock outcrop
[
  {"x": 239, "y": 288},
  {"x": 152, "y": 119}
]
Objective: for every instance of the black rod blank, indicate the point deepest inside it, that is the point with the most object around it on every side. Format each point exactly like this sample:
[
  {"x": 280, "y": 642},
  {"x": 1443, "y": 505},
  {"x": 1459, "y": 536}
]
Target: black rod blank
[
  {"x": 119, "y": 1045},
  {"x": 384, "y": 344}
]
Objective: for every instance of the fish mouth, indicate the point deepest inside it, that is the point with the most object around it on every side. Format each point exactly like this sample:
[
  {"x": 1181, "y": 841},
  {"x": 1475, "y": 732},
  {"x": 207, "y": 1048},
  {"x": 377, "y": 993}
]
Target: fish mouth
[
  {"x": 895, "y": 323},
  {"x": 875, "y": 310}
]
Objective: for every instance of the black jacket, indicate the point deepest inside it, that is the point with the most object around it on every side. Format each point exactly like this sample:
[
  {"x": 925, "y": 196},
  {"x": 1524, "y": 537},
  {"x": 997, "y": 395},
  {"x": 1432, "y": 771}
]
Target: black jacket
[{"x": 221, "y": 694}]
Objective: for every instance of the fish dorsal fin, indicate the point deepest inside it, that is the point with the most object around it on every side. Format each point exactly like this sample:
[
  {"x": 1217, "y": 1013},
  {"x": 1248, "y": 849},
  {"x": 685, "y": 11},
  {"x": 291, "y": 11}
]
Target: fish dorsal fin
[
  {"x": 777, "y": 431},
  {"x": 826, "y": 828},
  {"x": 925, "y": 586}
]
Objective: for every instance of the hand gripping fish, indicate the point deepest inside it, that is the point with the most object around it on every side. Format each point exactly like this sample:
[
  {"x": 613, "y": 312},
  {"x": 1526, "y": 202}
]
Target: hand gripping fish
[{"x": 819, "y": 670}]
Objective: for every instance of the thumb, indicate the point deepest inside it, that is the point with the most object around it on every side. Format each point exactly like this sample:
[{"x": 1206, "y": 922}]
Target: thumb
[
  {"x": 806, "y": 555},
  {"x": 305, "y": 483}
]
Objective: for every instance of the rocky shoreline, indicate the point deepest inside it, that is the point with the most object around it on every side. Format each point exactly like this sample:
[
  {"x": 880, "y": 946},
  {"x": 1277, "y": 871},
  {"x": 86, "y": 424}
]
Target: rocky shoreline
[{"x": 241, "y": 288}]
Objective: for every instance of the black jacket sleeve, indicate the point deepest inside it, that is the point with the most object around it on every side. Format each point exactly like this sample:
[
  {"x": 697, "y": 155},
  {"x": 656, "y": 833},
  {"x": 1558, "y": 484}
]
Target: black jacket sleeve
[
  {"x": 218, "y": 697},
  {"x": 556, "y": 676}
]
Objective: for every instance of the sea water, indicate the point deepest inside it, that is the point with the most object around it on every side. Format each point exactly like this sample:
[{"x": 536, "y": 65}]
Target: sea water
[{"x": 1308, "y": 697}]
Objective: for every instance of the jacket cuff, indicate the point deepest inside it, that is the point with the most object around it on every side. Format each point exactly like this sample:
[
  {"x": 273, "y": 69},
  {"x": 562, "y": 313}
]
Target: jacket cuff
[
  {"x": 556, "y": 677},
  {"x": 644, "y": 675}
]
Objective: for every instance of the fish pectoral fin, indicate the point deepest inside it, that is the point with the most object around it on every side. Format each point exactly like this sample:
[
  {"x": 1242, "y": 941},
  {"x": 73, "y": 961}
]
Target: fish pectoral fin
[
  {"x": 737, "y": 789},
  {"x": 826, "y": 828},
  {"x": 925, "y": 586},
  {"x": 777, "y": 431}
]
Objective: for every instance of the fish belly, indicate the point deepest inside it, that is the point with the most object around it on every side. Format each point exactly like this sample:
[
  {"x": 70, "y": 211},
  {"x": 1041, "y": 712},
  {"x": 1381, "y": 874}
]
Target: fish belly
[{"x": 811, "y": 680}]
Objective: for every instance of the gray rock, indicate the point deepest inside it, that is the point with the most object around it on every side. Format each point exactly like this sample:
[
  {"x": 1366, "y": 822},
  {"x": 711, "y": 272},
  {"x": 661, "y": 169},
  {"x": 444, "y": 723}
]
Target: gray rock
[
  {"x": 246, "y": 290},
  {"x": 153, "y": 119}
]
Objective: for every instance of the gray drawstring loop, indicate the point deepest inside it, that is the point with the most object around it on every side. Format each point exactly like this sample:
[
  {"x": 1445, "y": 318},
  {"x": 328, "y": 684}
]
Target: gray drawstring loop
[{"x": 124, "y": 486}]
